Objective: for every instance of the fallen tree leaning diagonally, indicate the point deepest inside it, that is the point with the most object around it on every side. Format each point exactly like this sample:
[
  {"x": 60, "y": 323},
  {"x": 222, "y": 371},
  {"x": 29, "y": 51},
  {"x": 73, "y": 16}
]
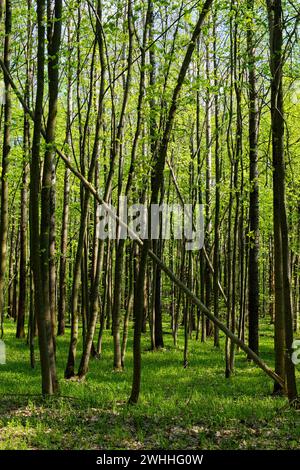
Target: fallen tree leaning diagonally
[{"x": 256, "y": 359}]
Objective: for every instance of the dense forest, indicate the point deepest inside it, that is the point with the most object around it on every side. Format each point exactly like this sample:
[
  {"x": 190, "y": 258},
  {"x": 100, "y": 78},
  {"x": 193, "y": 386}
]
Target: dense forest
[{"x": 162, "y": 103}]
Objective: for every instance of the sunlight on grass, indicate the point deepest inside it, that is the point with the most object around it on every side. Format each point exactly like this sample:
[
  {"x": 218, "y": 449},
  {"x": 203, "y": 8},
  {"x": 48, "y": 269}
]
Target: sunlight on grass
[{"x": 179, "y": 408}]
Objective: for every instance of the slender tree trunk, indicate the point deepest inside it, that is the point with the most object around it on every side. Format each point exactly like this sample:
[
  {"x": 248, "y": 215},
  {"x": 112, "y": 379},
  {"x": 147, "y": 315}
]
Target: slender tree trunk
[
  {"x": 24, "y": 191},
  {"x": 156, "y": 187},
  {"x": 70, "y": 367},
  {"x": 5, "y": 161},
  {"x": 83, "y": 367},
  {"x": 54, "y": 13},
  {"x": 43, "y": 321},
  {"x": 11, "y": 264},
  {"x": 283, "y": 308},
  {"x": 217, "y": 198},
  {"x": 128, "y": 306},
  {"x": 62, "y": 300},
  {"x": 208, "y": 172},
  {"x": 253, "y": 300}
]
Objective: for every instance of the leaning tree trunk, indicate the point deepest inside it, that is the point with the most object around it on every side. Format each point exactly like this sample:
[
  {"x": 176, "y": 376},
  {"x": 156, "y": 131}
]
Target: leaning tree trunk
[
  {"x": 70, "y": 367},
  {"x": 120, "y": 243},
  {"x": 119, "y": 352}
]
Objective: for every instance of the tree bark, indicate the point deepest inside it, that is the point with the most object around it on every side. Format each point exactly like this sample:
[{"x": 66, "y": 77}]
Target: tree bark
[
  {"x": 283, "y": 307},
  {"x": 23, "y": 285},
  {"x": 62, "y": 299},
  {"x": 43, "y": 320},
  {"x": 5, "y": 161},
  {"x": 253, "y": 298}
]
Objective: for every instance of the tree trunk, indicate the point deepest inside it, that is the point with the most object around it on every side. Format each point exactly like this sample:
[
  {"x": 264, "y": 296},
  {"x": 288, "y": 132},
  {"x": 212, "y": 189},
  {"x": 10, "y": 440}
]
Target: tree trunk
[
  {"x": 23, "y": 285},
  {"x": 253, "y": 299},
  {"x": 43, "y": 320},
  {"x": 156, "y": 187},
  {"x": 62, "y": 300},
  {"x": 5, "y": 161},
  {"x": 283, "y": 308}
]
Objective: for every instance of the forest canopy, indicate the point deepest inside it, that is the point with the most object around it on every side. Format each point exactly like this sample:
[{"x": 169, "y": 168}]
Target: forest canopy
[{"x": 164, "y": 103}]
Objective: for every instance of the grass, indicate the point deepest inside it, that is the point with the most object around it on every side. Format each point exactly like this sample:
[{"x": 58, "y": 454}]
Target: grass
[{"x": 193, "y": 408}]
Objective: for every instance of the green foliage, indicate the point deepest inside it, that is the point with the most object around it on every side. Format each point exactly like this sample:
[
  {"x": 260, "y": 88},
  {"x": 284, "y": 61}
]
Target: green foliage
[{"x": 191, "y": 408}]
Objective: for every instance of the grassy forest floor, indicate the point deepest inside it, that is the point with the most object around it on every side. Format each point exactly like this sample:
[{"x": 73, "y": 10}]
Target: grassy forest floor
[{"x": 193, "y": 408}]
